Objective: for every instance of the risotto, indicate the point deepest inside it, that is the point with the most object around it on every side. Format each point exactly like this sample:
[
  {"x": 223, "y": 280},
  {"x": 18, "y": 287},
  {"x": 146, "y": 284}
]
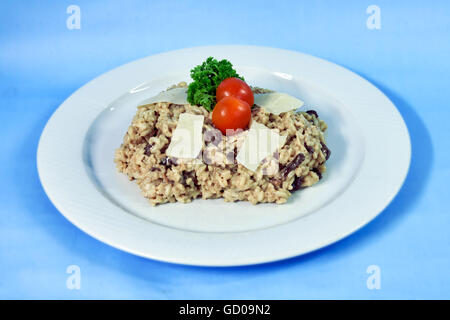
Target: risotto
[{"x": 216, "y": 173}]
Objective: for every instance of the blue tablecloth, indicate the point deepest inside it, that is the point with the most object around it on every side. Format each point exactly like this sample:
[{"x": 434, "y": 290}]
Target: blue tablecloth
[{"x": 42, "y": 62}]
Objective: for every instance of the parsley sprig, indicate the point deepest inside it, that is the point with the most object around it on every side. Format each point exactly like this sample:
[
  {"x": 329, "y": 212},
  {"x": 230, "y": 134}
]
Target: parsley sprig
[{"x": 207, "y": 77}]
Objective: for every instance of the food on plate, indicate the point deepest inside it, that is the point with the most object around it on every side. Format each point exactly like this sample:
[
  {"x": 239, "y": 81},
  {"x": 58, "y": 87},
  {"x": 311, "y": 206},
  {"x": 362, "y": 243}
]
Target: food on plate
[{"x": 179, "y": 150}]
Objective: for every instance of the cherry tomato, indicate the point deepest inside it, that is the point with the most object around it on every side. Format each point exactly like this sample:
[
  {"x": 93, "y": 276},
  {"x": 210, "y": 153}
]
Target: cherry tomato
[
  {"x": 231, "y": 113},
  {"x": 237, "y": 88}
]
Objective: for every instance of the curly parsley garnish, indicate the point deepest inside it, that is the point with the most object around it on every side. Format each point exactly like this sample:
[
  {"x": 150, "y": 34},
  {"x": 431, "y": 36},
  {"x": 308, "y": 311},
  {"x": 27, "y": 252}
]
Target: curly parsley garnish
[{"x": 207, "y": 77}]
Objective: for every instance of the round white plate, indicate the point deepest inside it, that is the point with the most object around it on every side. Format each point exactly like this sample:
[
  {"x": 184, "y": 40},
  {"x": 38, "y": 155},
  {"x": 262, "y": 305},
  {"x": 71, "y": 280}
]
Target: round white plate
[{"x": 368, "y": 139}]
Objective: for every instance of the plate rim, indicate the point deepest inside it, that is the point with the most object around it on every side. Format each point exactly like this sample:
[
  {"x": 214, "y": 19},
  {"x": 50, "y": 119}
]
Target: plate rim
[{"x": 67, "y": 210}]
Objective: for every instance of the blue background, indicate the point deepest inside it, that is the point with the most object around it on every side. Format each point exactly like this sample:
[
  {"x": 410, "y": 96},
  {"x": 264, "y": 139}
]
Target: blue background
[{"x": 42, "y": 63}]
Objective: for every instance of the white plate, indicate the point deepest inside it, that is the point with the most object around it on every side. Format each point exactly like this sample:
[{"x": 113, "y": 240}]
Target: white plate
[{"x": 368, "y": 139}]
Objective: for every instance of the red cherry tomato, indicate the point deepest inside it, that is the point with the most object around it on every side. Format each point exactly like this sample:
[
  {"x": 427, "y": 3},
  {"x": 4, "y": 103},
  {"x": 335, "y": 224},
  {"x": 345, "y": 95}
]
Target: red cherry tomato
[
  {"x": 231, "y": 113},
  {"x": 234, "y": 87}
]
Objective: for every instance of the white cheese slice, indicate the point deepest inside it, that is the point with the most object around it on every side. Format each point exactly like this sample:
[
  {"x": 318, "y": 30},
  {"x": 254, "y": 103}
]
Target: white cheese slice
[
  {"x": 259, "y": 143},
  {"x": 175, "y": 95},
  {"x": 277, "y": 102},
  {"x": 187, "y": 138}
]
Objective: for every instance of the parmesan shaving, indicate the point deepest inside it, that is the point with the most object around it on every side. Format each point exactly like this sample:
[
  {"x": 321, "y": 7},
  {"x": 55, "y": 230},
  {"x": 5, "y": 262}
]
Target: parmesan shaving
[
  {"x": 187, "y": 138},
  {"x": 175, "y": 95},
  {"x": 277, "y": 102},
  {"x": 259, "y": 143}
]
